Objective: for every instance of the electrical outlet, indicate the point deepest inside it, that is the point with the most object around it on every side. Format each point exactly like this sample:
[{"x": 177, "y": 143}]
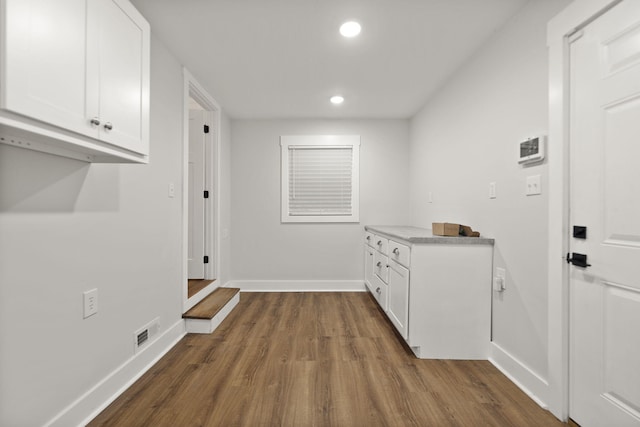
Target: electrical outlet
[
  {"x": 492, "y": 190},
  {"x": 90, "y": 299},
  {"x": 172, "y": 190}
]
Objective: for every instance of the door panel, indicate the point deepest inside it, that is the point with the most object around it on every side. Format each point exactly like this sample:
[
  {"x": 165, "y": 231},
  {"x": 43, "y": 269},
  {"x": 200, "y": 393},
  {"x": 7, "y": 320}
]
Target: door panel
[
  {"x": 46, "y": 55},
  {"x": 196, "y": 174},
  {"x": 122, "y": 44},
  {"x": 368, "y": 267},
  {"x": 399, "y": 298},
  {"x": 605, "y": 197}
]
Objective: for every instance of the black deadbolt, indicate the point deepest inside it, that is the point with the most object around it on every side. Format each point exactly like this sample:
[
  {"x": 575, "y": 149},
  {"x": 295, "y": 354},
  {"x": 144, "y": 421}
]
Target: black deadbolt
[{"x": 579, "y": 232}]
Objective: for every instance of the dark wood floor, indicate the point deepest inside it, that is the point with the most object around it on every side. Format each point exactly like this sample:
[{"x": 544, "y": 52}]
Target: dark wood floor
[
  {"x": 316, "y": 359},
  {"x": 196, "y": 285}
]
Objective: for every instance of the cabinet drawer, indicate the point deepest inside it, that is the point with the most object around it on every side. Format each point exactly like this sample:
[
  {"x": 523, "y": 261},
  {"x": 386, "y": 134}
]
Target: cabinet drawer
[
  {"x": 399, "y": 253},
  {"x": 380, "y": 293},
  {"x": 381, "y": 266},
  {"x": 369, "y": 238},
  {"x": 381, "y": 243}
]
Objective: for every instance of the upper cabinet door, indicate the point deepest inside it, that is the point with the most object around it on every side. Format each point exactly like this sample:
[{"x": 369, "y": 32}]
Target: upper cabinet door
[
  {"x": 45, "y": 62},
  {"x": 122, "y": 38}
]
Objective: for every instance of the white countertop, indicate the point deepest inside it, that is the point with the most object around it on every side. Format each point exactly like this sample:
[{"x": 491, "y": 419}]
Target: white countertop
[{"x": 424, "y": 235}]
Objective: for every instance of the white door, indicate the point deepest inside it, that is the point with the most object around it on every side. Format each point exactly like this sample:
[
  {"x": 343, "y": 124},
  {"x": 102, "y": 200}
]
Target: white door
[
  {"x": 196, "y": 173},
  {"x": 45, "y": 62},
  {"x": 368, "y": 267},
  {"x": 605, "y": 198},
  {"x": 398, "y": 291},
  {"x": 121, "y": 55}
]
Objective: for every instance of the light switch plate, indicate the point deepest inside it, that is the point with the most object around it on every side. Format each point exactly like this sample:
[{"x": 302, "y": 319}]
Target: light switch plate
[
  {"x": 90, "y": 299},
  {"x": 500, "y": 281},
  {"x": 533, "y": 185}
]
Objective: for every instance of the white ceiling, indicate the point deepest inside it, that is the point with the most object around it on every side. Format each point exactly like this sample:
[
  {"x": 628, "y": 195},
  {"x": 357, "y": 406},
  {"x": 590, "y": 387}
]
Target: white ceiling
[{"x": 285, "y": 58}]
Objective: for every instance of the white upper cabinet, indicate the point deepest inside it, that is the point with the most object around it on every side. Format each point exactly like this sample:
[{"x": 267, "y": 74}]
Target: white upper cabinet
[{"x": 75, "y": 78}]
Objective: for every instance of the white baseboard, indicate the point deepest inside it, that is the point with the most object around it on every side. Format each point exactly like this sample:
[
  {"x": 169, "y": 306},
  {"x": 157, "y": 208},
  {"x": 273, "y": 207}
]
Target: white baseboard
[
  {"x": 207, "y": 326},
  {"x": 536, "y": 387},
  {"x": 298, "y": 285},
  {"x": 94, "y": 401}
]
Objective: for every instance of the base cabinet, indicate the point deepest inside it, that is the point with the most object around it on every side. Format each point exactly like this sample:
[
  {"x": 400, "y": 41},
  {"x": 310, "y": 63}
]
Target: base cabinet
[{"x": 438, "y": 290}]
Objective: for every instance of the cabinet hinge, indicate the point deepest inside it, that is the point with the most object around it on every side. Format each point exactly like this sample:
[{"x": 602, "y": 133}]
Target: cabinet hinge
[
  {"x": 206, "y": 194},
  {"x": 206, "y": 259},
  {"x": 206, "y": 128}
]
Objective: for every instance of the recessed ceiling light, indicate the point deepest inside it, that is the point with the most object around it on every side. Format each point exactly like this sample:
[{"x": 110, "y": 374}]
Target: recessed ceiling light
[
  {"x": 337, "y": 99},
  {"x": 350, "y": 29}
]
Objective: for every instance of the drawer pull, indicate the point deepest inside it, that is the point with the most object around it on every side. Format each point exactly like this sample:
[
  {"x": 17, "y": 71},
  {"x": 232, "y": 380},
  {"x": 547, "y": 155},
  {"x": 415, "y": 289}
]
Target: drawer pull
[
  {"x": 396, "y": 251},
  {"x": 379, "y": 242},
  {"x": 378, "y": 290},
  {"x": 368, "y": 237},
  {"x": 95, "y": 121},
  {"x": 379, "y": 264}
]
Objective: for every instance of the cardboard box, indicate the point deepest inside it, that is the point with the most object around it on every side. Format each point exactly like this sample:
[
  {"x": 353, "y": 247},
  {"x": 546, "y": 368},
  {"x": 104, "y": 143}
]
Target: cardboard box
[{"x": 445, "y": 229}]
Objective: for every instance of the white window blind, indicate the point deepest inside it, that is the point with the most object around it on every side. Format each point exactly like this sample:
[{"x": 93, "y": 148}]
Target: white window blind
[{"x": 319, "y": 178}]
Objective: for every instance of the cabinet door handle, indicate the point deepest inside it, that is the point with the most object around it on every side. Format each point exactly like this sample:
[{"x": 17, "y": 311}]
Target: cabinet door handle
[
  {"x": 378, "y": 290},
  {"x": 396, "y": 251},
  {"x": 368, "y": 237},
  {"x": 108, "y": 126},
  {"x": 379, "y": 264},
  {"x": 95, "y": 121},
  {"x": 379, "y": 242}
]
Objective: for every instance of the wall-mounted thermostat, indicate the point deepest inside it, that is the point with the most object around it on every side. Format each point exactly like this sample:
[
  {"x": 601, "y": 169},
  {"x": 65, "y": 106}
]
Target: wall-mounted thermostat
[{"x": 532, "y": 150}]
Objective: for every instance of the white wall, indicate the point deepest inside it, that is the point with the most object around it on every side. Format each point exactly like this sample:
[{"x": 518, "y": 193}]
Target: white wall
[
  {"x": 466, "y": 137},
  {"x": 68, "y": 226},
  {"x": 264, "y": 249},
  {"x": 225, "y": 200}
]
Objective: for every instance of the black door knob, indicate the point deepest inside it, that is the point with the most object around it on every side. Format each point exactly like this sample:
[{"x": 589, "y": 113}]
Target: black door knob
[{"x": 579, "y": 260}]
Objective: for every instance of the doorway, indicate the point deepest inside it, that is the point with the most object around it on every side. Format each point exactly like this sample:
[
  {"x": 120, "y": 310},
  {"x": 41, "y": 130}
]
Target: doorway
[{"x": 201, "y": 189}]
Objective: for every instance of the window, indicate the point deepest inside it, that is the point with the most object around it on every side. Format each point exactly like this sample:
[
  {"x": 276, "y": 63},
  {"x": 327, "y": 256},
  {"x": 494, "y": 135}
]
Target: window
[{"x": 320, "y": 178}]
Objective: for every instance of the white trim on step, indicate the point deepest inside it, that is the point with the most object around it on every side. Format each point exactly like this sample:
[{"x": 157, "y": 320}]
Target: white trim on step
[
  {"x": 298, "y": 285},
  {"x": 206, "y": 326},
  {"x": 536, "y": 387},
  {"x": 94, "y": 401}
]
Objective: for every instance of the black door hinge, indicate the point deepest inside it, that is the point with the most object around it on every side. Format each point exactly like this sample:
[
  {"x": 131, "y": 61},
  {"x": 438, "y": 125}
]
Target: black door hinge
[
  {"x": 206, "y": 128},
  {"x": 206, "y": 259},
  {"x": 206, "y": 194}
]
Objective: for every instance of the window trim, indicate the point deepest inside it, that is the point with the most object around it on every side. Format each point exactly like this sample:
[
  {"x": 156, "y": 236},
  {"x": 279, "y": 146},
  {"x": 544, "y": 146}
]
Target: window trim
[{"x": 310, "y": 141}]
